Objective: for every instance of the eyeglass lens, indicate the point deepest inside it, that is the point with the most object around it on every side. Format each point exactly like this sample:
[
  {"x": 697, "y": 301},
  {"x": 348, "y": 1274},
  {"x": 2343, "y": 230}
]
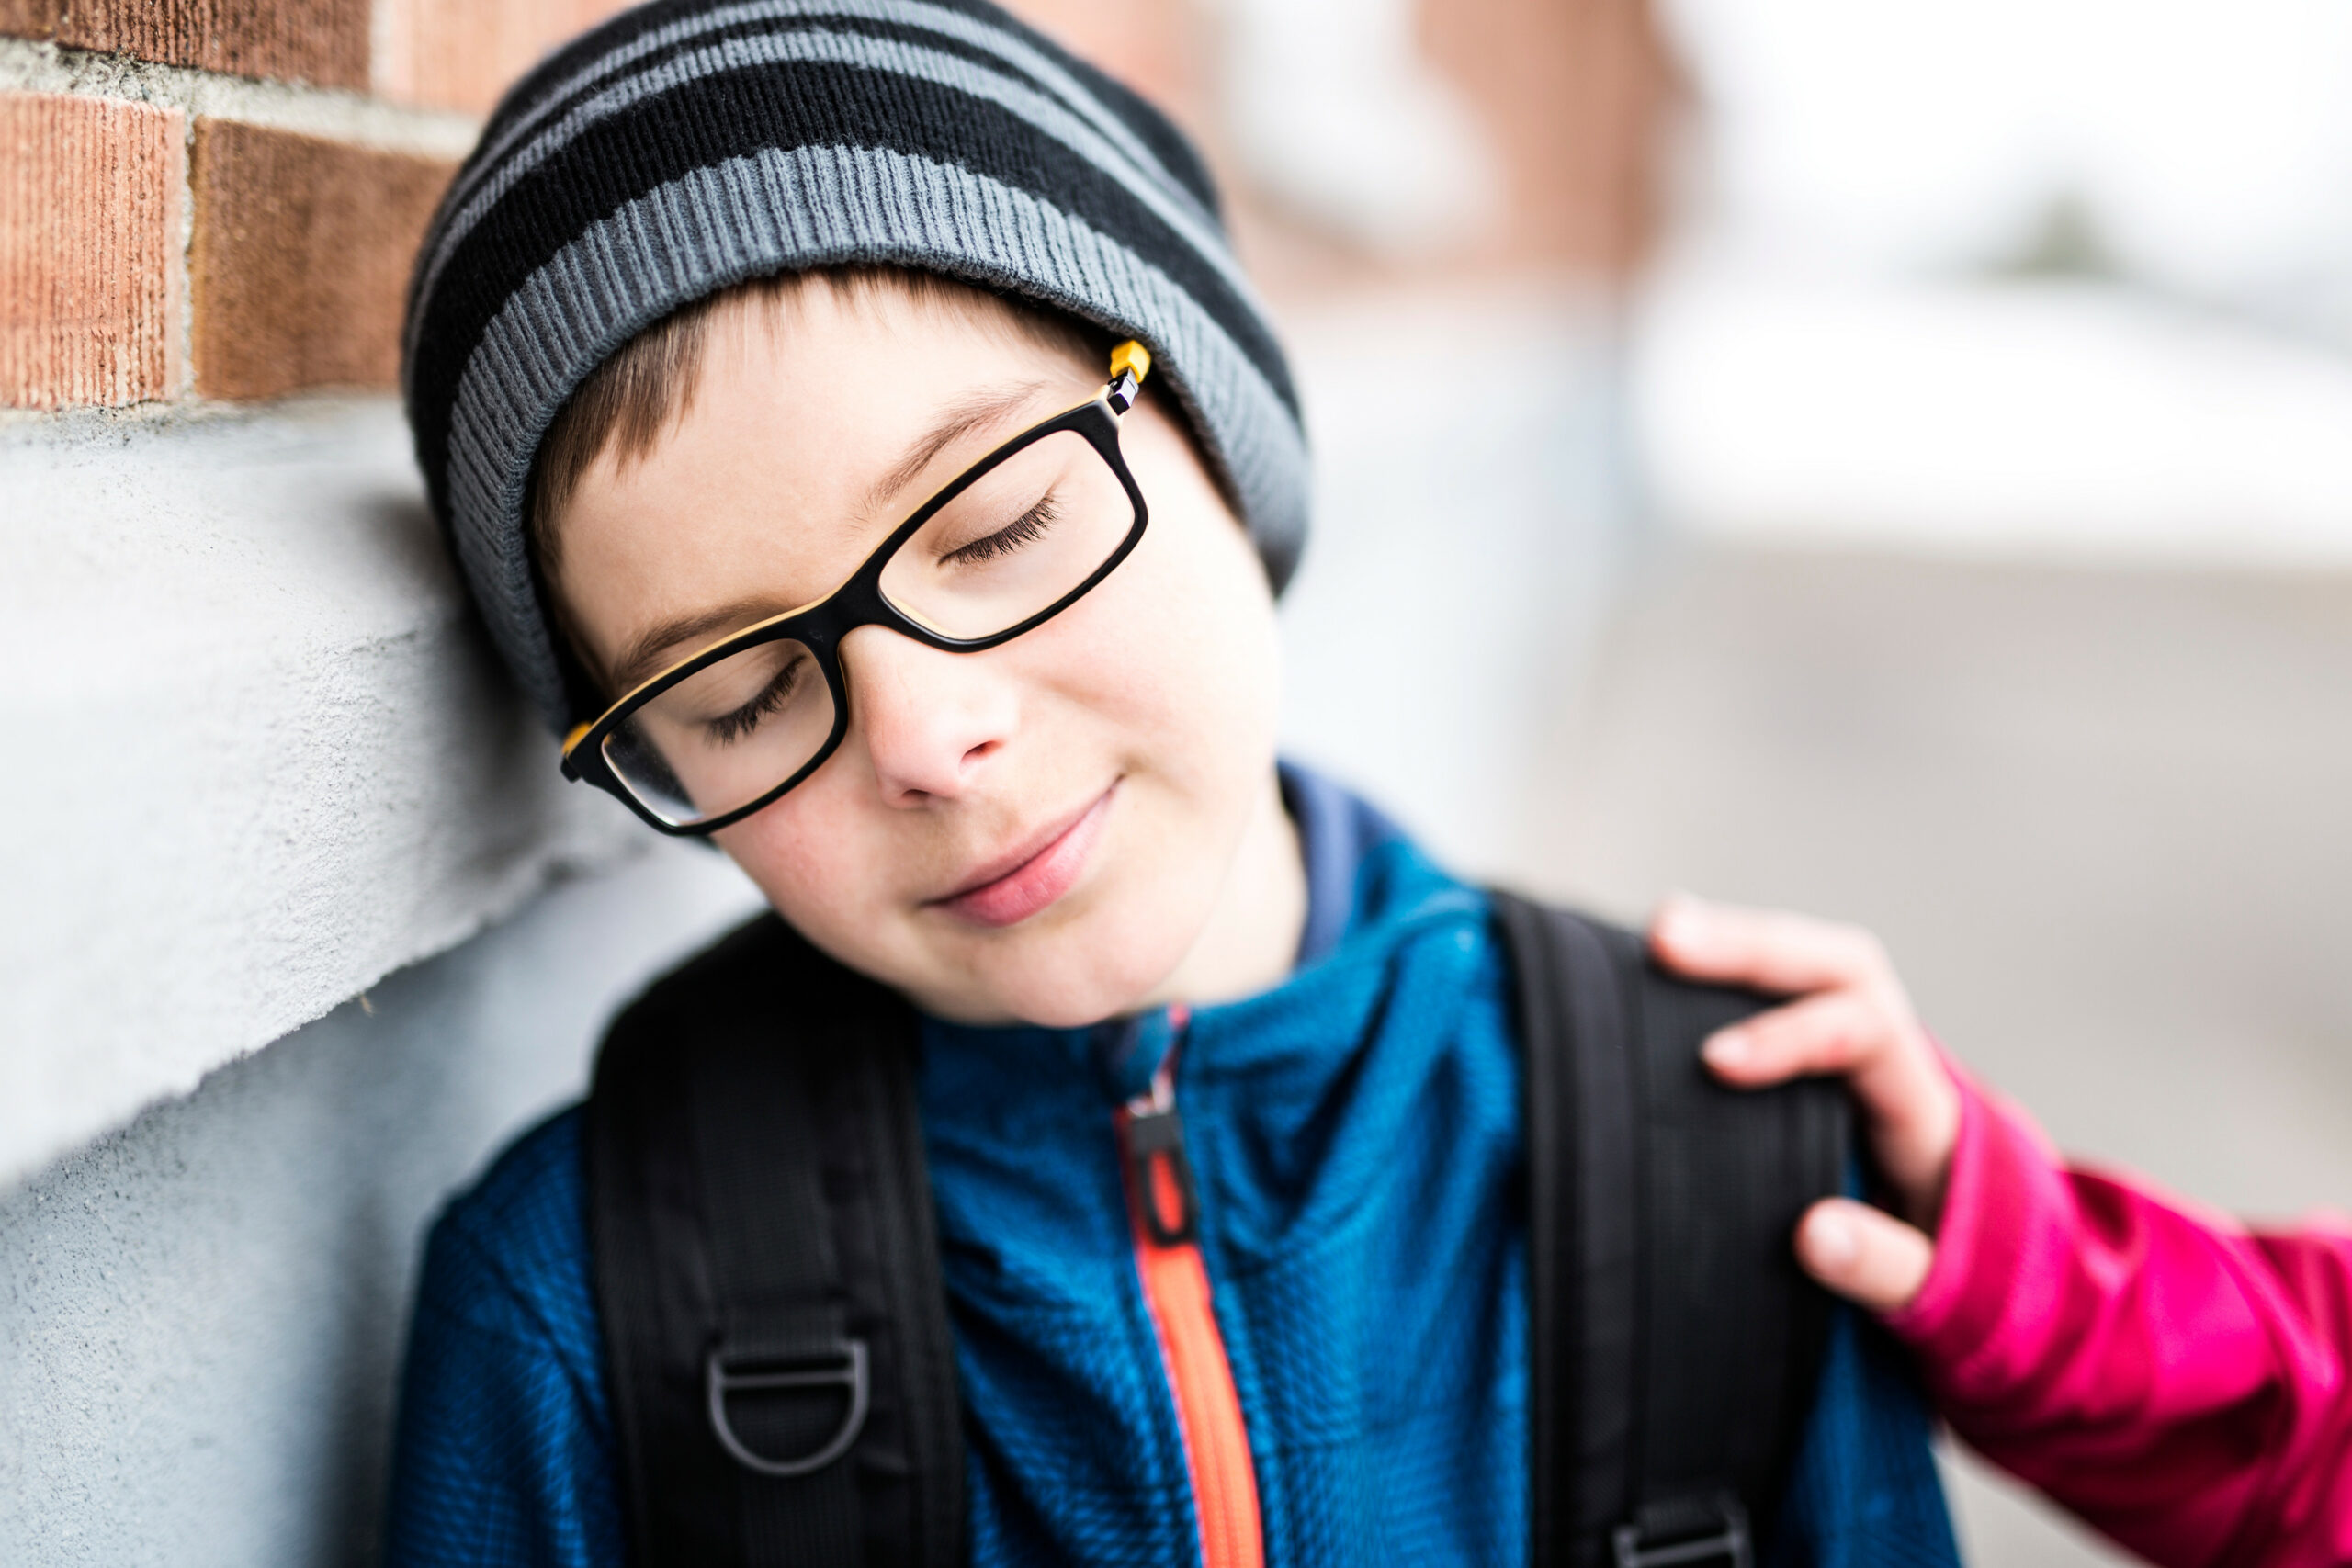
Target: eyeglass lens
[{"x": 1016, "y": 541}]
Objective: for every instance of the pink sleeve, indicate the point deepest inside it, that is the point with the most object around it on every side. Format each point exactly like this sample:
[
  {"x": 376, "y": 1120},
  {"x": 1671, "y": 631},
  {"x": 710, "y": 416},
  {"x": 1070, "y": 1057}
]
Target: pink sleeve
[{"x": 2173, "y": 1378}]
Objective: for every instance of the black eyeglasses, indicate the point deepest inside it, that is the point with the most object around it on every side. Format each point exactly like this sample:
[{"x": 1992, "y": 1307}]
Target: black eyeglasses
[{"x": 1014, "y": 540}]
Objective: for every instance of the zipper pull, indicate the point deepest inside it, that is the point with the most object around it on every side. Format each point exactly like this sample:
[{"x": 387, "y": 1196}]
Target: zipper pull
[{"x": 1159, "y": 1174}]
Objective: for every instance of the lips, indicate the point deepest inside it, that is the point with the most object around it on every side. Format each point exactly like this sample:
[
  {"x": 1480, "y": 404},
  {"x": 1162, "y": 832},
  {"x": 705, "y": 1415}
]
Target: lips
[{"x": 1035, "y": 876}]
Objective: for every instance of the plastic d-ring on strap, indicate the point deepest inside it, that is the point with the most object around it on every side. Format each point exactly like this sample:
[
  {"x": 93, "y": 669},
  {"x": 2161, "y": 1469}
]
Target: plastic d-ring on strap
[
  {"x": 1721, "y": 1539},
  {"x": 718, "y": 1382}
]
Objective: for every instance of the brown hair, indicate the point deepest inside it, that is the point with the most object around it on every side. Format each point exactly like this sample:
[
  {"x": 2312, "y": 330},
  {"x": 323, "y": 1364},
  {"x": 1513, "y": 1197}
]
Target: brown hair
[{"x": 632, "y": 400}]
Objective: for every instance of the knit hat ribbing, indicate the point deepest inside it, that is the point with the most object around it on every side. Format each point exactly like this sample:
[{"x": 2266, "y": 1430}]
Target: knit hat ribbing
[{"x": 686, "y": 146}]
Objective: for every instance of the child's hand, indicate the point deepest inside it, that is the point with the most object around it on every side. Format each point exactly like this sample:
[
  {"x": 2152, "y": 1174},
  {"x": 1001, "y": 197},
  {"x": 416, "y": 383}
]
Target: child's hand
[{"x": 1851, "y": 1018}]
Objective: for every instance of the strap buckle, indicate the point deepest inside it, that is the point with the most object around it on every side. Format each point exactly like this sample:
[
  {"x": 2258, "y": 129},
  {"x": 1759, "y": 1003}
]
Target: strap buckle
[
  {"x": 1714, "y": 1531},
  {"x": 842, "y": 1366}
]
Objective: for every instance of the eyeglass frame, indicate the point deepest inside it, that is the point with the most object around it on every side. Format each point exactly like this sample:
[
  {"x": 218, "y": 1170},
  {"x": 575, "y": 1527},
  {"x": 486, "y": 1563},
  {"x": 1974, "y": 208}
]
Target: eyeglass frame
[{"x": 820, "y": 625}]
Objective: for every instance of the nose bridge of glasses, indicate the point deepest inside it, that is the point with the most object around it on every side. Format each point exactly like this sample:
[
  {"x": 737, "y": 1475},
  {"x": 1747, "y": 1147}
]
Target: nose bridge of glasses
[{"x": 892, "y": 641}]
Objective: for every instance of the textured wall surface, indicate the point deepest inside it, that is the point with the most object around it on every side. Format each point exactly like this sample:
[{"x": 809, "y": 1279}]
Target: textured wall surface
[
  {"x": 321, "y": 42},
  {"x": 244, "y": 669},
  {"x": 200, "y": 1316}
]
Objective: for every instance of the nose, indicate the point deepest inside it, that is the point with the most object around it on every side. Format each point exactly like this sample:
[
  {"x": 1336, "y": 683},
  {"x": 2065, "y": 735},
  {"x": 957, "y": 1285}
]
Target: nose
[{"x": 930, "y": 720}]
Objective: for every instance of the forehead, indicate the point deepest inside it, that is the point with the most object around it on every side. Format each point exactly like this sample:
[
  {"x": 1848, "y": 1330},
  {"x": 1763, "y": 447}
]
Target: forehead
[{"x": 812, "y": 430}]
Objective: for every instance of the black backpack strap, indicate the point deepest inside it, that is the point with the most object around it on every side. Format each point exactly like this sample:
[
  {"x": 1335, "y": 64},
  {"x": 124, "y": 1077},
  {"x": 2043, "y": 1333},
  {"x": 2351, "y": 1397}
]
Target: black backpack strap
[
  {"x": 1675, "y": 1345},
  {"x": 775, "y": 1329}
]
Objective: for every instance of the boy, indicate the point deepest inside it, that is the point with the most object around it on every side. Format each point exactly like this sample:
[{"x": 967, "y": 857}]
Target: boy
[
  {"x": 778, "y": 372},
  {"x": 2175, "y": 1378}
]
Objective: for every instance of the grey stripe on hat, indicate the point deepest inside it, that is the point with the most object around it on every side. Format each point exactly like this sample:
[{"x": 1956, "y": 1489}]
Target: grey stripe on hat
[
  {"x": 861, "y": 50},
  {"x": 790, "y": 209}
]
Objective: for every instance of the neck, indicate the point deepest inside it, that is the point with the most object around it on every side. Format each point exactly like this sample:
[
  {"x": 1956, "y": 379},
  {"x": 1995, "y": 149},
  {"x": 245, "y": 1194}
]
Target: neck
[{"x": 1251, "y": 940}]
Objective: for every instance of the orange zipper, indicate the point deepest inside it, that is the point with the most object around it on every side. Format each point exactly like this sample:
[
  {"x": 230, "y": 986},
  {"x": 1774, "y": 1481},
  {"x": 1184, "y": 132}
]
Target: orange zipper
[{"x": 1165, "y": 1212}]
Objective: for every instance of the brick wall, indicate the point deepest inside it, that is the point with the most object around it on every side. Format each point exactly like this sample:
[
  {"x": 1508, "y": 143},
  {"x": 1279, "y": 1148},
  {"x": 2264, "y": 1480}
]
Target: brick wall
[
  {"x": 321, "y": 42},
  {"x": 219, "y": 199},
  {"x": 1576, "y": 95}
]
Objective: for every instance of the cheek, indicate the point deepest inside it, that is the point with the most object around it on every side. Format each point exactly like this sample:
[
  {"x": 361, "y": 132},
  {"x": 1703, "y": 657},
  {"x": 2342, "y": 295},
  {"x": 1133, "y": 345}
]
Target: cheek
[{"x": 821, "y": 860}]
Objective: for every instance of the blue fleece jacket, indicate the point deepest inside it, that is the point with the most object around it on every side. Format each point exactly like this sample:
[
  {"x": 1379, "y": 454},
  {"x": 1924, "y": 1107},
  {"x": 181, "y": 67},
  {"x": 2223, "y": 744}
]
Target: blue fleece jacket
[{"x": 1356, "y": 1137}]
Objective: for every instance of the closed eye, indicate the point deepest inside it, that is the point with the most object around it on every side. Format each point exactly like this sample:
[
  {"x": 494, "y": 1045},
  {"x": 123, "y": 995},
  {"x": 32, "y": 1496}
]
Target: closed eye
[
  {"x": 728, "y": 729},
  {"x": 1025, "y": 529}
]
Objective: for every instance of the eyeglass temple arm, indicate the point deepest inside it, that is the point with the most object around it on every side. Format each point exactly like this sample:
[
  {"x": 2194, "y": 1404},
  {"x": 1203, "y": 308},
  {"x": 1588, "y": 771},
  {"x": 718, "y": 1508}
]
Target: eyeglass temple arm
[{"x": 1130, "y": 363}]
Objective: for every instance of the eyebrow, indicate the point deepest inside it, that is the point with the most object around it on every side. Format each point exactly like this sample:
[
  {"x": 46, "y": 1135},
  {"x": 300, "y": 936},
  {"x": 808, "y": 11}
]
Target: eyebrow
[
  {"x": 975, "y": 412},
  {"x": 648, "y": 653}
]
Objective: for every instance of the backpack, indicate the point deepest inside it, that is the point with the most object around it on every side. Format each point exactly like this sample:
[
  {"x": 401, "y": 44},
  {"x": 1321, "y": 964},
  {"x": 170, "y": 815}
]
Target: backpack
[{"x": 782, "y": 1376}]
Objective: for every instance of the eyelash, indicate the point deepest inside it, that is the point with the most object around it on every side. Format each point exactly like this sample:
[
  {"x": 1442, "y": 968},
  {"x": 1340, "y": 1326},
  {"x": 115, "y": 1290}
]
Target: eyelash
[
  {"x": 730, "y": 727},
  {"x": 1010, "y": 537}
]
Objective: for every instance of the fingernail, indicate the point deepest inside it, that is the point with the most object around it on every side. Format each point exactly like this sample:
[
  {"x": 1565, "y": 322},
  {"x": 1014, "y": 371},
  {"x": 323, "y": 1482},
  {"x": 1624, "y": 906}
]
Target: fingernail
[
  {"x": 1835, "y": 1242},
  {"x": 1727, "y": 1048}
]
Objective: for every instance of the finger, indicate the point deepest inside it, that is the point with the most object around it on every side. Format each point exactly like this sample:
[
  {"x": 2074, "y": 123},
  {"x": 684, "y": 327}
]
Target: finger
[
  {"x": 1836, "y": 1032},
  {"x": 1770, "y": 950},
  {"x": 1870, "y": 1258},
  {"x": 1906, "y": 1095}
]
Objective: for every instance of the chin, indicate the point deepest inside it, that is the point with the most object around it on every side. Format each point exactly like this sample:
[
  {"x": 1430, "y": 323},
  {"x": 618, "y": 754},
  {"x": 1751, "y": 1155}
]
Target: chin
[
  {"x": 1078, "y": 980},
  {"x": 1069, "y": 997}
]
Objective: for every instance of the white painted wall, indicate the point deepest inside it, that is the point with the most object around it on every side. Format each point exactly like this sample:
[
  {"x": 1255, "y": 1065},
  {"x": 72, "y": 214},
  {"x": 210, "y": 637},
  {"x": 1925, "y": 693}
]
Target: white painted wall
[
  {"x": 200, "y": 1314},
  {"x": 255, "y": 755},
  {"x": 253, "y": 759}
]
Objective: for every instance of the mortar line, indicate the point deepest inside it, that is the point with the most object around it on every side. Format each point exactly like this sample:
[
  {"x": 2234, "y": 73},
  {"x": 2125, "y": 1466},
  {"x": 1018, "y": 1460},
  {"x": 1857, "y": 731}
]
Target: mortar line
[{"x": 335, "y": 113}]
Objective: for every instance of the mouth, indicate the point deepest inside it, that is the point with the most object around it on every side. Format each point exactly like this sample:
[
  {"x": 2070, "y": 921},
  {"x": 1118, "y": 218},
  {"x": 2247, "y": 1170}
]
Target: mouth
[{"x": 1035, "y": 876}]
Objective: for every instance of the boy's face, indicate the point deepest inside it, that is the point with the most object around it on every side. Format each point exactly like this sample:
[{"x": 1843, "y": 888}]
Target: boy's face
[{"x": 1041, "y": 832}]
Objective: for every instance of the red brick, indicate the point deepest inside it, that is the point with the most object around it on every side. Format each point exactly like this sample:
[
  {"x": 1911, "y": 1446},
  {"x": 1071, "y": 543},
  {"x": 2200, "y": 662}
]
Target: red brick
[
  {"x": 301, "y": 258},
  {"x": 1578, "y": 97},
  {"x": 320, "y": 41},
  {"x": 462, "y": 54},
  {"x": 1157, "y": 47},
  {"x": 89, "y": 254}
]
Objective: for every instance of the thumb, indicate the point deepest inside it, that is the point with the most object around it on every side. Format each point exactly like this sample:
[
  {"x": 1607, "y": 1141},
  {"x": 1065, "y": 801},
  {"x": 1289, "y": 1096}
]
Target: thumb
[{"x": 1870, "y": 1258}]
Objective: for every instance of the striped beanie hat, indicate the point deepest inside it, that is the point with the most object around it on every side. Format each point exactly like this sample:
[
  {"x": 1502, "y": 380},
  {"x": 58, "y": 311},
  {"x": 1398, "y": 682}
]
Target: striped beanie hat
[{"x": 688, "y": 145}]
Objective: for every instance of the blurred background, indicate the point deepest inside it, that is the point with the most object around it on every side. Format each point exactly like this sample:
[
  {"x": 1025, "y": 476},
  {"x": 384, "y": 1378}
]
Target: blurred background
[{"x": 1890, "y": 461}]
